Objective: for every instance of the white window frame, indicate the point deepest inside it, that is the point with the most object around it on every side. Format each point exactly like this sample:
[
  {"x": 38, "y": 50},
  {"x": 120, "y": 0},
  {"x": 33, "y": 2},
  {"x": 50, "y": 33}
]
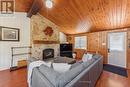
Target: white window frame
[{"x": 80, "y": 41}]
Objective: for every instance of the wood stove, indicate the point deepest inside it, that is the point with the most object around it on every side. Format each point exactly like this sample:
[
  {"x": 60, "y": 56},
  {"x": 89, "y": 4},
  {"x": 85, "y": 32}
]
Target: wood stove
[{"x": 48, "y": 53}]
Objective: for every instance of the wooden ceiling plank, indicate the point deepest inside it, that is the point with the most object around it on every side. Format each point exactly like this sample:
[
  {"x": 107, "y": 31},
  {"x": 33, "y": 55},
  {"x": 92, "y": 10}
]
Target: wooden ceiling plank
[
  {"x": 22, "y": 5},
  {"x": 120, "y": 14},
  {"x": 35, "y": 8},
  {"x": 124, "y": 11},
  {"x": 114, "y": 14},
  {"x": 104, "y": 13},
  {"x": 96, "y": 14},
  {"x": 91, "y": 16}
]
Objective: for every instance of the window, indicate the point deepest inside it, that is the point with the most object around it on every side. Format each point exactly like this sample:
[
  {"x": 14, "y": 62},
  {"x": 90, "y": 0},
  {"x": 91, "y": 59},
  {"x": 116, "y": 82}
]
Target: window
[
  {"x": 80, "y": 42},
  {"x": 116, "y": 41}
]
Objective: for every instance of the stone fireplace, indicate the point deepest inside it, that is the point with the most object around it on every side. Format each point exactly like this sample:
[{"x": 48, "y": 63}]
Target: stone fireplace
[
  {"x": 41, "y": 38},
  {"x": 37, "y": 50},
  {"x": 48, "y": 53}
]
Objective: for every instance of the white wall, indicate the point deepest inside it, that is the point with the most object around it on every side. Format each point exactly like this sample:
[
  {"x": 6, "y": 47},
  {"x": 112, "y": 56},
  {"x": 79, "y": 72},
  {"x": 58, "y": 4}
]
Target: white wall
[
  {"x": 19, "y": 20},
  {"x": 63, "y": 38}
]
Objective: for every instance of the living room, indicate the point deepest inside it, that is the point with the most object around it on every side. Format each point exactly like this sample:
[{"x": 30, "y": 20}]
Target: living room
[{"x": 61, "y": 43}]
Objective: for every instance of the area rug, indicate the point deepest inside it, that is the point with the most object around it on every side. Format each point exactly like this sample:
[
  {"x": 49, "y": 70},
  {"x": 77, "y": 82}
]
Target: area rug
[{"x": 116, "y": 70}]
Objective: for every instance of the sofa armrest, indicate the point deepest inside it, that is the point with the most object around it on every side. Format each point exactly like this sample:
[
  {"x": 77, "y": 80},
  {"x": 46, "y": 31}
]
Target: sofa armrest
[
  {"x": 32, "y": 59},
  {"x": 39, "y": 80}
]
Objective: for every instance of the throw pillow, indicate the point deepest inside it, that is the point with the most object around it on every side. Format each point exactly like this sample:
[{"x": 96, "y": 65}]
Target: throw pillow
[
  {"x": 47, "y": 64},
  {"x": 89, "y": 56},
  {"x": 85, "y": 58},
  {"x": 61, "y": 67},
  {"x": 50, "y": 74}
]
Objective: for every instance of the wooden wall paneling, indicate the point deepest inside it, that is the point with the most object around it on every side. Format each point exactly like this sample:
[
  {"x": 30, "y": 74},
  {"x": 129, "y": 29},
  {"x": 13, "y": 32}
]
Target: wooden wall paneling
[
  {"x": 103, "y": 45},
  {"x": 92, "y": 41},
  {"x": 128, "y": 49},
  {"x": 97, "y": 41}
]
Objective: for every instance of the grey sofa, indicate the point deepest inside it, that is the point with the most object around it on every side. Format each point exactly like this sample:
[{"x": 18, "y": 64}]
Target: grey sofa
[{"x": 81, "y": 74}]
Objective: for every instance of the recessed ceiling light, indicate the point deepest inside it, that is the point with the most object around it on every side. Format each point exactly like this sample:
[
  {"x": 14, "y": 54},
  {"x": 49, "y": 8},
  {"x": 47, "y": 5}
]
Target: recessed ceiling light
[{"x": 49, "y": 3}]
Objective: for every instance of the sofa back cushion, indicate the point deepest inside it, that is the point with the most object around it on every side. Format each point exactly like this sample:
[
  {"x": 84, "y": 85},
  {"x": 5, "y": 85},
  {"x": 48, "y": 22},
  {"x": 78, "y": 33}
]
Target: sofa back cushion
[
  {"x": 61, "y": 67},
  {"x": 97, "y": 56},
  {"x": 50, "y": 74},
  {"x": 85, "y": 58},
  {"x": 76, "y": 64},
  {"x": 68, "y": 76},
  {"x": 89, "y": 62}
]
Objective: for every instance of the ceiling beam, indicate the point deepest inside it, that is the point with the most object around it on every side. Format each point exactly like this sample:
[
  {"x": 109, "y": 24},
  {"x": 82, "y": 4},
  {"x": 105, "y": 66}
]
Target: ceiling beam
[{"x": 35, "y": 8}]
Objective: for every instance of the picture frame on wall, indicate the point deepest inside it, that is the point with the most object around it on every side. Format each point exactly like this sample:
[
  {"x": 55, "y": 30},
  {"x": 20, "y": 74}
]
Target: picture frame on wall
[{"x": 9, "y": 34}]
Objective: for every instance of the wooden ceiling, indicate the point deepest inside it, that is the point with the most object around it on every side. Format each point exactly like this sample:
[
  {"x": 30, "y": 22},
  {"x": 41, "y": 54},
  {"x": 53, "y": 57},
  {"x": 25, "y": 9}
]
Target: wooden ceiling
[
  {"x": 23, "y": 5},
  {"x": 79, "y": 16}
]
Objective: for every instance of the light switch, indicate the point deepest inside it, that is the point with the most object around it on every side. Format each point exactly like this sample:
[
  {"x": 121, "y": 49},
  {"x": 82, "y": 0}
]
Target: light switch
[{"x": 103, "y": 44}]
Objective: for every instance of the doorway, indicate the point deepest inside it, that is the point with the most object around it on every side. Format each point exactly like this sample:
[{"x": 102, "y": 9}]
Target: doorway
[{"x": 117, "y": 49}]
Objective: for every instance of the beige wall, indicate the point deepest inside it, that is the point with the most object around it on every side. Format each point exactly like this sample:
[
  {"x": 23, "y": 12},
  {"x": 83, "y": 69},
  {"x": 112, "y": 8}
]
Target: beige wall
[{"x": 21, "y": 21}]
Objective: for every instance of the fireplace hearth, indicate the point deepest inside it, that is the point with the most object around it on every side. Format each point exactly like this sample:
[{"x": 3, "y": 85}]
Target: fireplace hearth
[{"x": 48, "y": 53}]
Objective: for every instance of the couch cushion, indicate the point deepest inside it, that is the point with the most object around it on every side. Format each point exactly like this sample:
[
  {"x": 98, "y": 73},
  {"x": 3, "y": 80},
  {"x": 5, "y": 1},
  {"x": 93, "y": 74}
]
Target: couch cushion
[
  {"x": 89, "y": 62},
  {"x": 85, "y": 58},
  {"x": 96, "y": 56},
  {"x": 61, "y": 67},
  {"x": 65, "y": 78},
  {"x": 64, "y": 60},
  {"x": 90, "y": 56},
  {"x": 50, "y": 74},
  {"x": 76, "y": 64}
]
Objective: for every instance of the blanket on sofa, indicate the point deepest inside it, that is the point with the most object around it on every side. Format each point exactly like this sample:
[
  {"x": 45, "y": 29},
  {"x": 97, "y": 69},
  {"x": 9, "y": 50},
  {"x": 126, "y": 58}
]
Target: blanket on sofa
[{"x": 32, "y": 66}]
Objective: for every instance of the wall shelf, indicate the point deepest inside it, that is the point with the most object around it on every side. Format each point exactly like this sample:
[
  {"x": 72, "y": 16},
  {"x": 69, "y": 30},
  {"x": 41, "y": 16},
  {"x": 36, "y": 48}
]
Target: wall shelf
[{"x": 45, "y": 42}]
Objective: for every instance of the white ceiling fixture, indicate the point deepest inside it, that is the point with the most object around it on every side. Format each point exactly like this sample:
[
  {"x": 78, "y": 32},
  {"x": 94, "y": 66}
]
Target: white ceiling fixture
[{"x": 49, "y": 3}]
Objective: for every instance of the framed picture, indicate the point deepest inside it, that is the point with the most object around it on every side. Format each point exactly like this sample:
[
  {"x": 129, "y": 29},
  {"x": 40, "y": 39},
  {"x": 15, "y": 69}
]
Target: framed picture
[{"x": 9, "y": 34}]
